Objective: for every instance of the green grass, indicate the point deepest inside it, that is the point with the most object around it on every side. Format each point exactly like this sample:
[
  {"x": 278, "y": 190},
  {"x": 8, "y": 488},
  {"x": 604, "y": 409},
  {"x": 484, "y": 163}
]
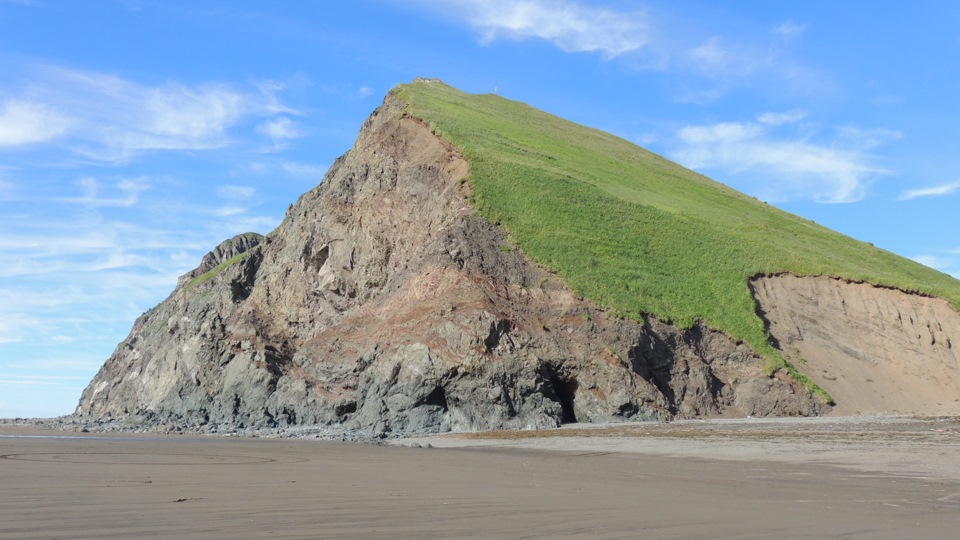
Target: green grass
[
  {"x": 635, "y": 232},
  {"x": 215, "y": 271}
]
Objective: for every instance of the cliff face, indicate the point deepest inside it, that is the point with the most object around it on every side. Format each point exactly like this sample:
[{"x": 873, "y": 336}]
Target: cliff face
[
  {"x": 383, "y": 303},
  {"x": 875, "y": 350}
]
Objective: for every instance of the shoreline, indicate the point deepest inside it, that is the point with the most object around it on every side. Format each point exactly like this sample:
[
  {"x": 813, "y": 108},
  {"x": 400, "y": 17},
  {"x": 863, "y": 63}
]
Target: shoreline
[
  {"x": 907, "y": 447},
  {"x": 902, "y": 446},
  {"x": 711, "y": 479}
]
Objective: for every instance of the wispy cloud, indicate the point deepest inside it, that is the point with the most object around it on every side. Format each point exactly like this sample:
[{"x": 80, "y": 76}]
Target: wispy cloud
[
  {"x": 712, "y": 67},
  {"x": 129, "y": 193},
  {"x": 25, "y": 122},
  {"x": 932, "y": 191},
  {"x": 714, "y": 56},
  {"x": 9, "y": 332},
  {"x": 59, "y": 381},
  {"x": 88, "y": 265},
  {"x": 932, "y": 261},
  {"x": 295, "y": 169},
  {"x": 84, "y": 252},
  {"x": 781, "y": 118},
  {"x": 866, "y": 138},
  {"x": 778, "y": 166},
  {"x": 178, "y": 115},
  {"x": 227, "y": 211},
  {"x": 304, "y": 170},
  {"x": 108, "y": 119},
  {"x": 280, "y": 130},
  {"x": 38, "y": 380},
  {"x": 706, "y": 64},
  {"x": 571, "y": 26},
  {"x": 790, "y": 29}
]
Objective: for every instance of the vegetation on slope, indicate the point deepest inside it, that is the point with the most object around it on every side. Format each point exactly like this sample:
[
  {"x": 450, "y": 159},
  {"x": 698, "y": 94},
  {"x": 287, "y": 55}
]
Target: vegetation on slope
[
  {"x": 209, "y": 275},
  {"x": 635, "y": 232}
]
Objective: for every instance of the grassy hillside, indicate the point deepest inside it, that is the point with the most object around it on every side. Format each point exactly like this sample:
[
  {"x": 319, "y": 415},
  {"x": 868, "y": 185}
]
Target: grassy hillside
[{"x": 635, "y": 232}]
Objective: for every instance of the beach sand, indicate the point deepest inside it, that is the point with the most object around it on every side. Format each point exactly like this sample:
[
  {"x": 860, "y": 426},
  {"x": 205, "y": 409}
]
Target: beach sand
[{"x": 620, "y": 484}]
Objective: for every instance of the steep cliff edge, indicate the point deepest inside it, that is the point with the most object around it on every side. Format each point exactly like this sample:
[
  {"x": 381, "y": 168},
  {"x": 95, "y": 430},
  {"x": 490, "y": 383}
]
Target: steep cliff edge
[
  {"x": 875, "y": 350},
  {"x": 384, "y": 303}
]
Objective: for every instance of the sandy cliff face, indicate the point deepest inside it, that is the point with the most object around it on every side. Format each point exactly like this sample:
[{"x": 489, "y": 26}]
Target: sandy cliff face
[
  {"x": 383, "y": 303},
  {"x": 875, "y": 350}
]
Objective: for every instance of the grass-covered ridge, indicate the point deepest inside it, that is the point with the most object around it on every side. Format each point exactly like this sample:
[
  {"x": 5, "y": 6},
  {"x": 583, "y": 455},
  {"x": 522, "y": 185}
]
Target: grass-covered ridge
[
  {"x": 635, "y": 232},
  {"x": 209, "y": 275}
]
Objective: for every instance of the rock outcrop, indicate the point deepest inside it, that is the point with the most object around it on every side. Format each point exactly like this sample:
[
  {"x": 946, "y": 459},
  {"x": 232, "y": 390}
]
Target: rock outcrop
[
  {"x": 875, "y": 350},
  {"x": 383, "y": 303},
  {"x": 226, "y": 252}
]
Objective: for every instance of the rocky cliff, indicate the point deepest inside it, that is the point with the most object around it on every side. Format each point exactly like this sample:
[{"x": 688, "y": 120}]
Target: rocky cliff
[{"x": 383, "y": 303}]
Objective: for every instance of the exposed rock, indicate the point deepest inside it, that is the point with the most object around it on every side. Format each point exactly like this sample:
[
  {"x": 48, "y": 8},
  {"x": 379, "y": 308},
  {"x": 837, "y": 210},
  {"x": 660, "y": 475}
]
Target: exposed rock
[
  {"x": 384, "y": 304},
  {"x": 875, "y": 350},
  {"x": 227, "y": 250}
]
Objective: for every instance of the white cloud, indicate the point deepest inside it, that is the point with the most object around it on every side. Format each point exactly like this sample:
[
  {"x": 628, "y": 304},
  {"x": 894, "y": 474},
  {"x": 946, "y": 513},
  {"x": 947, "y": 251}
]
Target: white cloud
[
  {"x": 715, "y": 57},
  {"x": 865, "y": 139},
  {"x": 723, "y": 63},
  {"x": 229, "y": 211},
  {"x": 646, "y": 139},
  {"x": 110, "y": 119},
  {"x": 38, "y": 380},
  {"x": 25, "y": 122},
  {"x": 195, "y": 117},
  {"x": 932, "y": 261},
  {"x": 25, "y": 382},
  {"x": 15, "y": 326},
  {"x": 723, "y": 133},
  {"x": 272, "y": 168},
  {"x": 777, "y": 168},
  {"x": 129, "y": 191},
  {"x": 932, "y": 191},
  {"x": 365, "y": 91},
  {"x": 704, "y": 66},
  {"x": 86, "y": 273},
  {"x": 279, "y": 129},
  {"x": 571, "y": 26},
  {"x": 269, "y": 89},
  {"x": 781, "y": 118},
  {"x": 304, "y": 170},
  {"x": 789, "y": 29}
]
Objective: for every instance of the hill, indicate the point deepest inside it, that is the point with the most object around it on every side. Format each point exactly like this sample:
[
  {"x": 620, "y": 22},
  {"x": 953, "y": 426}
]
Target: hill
[
  {"x": 637, "y": 233},
  {"x": 473, "y": 263}
]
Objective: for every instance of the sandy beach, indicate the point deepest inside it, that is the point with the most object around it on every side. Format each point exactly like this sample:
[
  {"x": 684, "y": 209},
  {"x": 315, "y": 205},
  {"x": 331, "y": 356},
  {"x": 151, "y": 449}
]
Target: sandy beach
[{"x": 814, "y": 478}]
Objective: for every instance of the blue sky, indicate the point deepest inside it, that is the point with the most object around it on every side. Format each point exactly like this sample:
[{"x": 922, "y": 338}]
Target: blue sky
[{"x": 136, "y": 135}]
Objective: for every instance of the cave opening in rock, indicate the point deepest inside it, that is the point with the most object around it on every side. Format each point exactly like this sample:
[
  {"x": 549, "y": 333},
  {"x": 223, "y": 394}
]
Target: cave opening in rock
[
  {"x": 438, "y": 398},
  {"x": 566, "y": 389},
  {"x": 320, "y": 257}
]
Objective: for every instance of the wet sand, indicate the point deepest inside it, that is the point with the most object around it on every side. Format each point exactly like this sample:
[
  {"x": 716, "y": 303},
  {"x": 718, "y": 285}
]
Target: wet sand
[
  {"x": 90, "y": 486},
  {"x": 923, "y": 448}
]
